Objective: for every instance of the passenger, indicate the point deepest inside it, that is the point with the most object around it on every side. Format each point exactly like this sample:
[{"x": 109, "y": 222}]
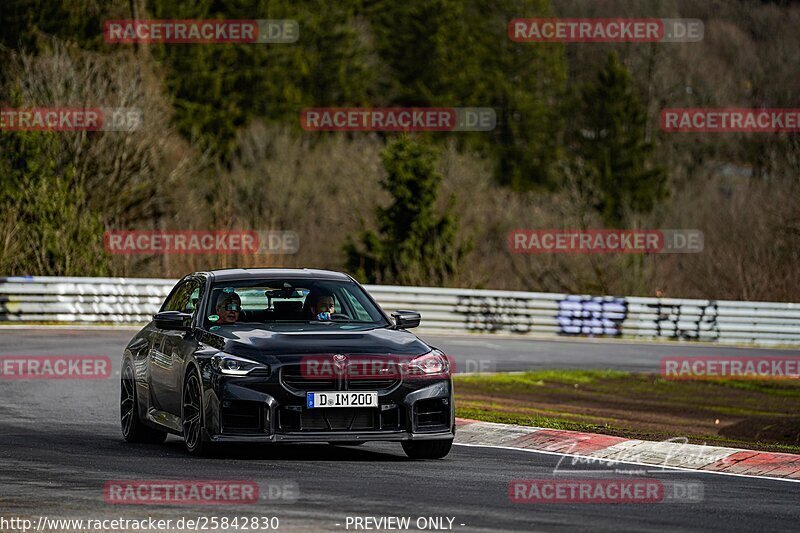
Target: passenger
[{"x": 229, "y": 304}]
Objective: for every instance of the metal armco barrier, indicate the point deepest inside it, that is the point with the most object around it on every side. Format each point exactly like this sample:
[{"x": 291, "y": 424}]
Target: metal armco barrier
[{"x": 130, "y": 300}]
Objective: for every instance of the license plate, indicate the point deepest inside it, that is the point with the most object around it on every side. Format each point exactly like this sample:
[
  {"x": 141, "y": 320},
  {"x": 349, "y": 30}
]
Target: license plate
[{"x": 341, "y": 399}]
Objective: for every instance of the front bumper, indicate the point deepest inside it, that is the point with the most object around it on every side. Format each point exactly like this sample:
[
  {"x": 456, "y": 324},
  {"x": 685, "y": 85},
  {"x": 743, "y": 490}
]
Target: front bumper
[
  {"x": 352, "y": 436},
  {"x": 263, "y": 410}
]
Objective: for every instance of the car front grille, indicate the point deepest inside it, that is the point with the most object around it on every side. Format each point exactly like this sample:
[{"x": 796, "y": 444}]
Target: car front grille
[
  {"x": 340, "y": 419},
  {"x": 432, "y": 415},
  {"x": 240, "y": 417},
  {"x": 371, "y": 384},
  {"x": 295, "y": 379}
]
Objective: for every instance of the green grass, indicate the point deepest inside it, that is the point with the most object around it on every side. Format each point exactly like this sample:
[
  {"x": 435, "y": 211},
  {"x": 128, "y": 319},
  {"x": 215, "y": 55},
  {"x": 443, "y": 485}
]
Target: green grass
[
  {"x": 778, "y": 387},
  {"x": 488, "y": 415},
  {"x": 538, "y": 378},
  {"x": 746, "y": 414}
]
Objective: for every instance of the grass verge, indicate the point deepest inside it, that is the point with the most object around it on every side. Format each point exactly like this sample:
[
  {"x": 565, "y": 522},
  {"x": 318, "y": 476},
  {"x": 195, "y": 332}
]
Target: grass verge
[{"x": 761, "y": 415}]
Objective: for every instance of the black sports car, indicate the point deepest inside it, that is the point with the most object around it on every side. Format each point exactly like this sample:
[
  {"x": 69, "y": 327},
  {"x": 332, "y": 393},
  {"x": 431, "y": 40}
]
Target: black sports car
[{"x": 284, "y": 355}]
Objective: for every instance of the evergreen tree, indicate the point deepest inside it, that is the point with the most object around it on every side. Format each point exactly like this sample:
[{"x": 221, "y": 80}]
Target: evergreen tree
[
  {"x": 612, "y": 142},
  {"x": 456, "y": 53},
  {"x": 413, "y": 244},
  {"x": 218, "y": 89}
]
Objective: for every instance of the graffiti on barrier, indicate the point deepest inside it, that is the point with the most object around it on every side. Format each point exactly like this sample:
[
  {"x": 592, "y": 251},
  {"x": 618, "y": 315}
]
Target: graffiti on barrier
[
  {"x": 489, "y": 313},
  {"x": 688, "y": 322},
  {"x": 595, "y": 315}
]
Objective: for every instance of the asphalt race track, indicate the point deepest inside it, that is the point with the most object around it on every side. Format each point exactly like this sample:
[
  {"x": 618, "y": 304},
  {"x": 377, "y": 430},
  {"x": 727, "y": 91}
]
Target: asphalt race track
[
  {"x": 472, "y": 353},
  {"x": 60, "y": 443}
]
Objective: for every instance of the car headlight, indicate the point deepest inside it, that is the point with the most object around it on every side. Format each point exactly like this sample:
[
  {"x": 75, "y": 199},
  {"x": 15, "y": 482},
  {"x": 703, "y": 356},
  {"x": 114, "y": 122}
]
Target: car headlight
[
  {"x": 431, "y": 363},
  {"x": 232, "y": 365}
]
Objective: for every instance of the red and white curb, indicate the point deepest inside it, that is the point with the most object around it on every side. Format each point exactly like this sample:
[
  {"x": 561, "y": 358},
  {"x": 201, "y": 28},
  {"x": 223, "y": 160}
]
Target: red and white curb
[{"x": 671, "y": 453}]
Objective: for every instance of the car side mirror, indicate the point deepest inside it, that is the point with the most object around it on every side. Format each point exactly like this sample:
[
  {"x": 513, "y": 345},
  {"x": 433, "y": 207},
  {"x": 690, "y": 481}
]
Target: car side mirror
[
  {"x": 174, "y": 320},
  {"x": 406, "y": 319}
]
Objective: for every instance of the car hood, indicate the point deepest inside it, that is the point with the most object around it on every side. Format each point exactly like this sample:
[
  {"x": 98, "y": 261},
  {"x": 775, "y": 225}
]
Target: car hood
[{"x": 250, "y": 342}]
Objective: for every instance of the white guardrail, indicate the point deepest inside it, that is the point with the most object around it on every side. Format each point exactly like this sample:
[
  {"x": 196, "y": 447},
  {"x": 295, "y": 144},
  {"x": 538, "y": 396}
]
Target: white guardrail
[{"x": 131, "y": 300}]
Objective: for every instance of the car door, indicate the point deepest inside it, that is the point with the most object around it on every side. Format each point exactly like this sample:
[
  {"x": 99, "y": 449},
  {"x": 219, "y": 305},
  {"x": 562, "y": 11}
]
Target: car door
[{"x": 168, "y": 350}]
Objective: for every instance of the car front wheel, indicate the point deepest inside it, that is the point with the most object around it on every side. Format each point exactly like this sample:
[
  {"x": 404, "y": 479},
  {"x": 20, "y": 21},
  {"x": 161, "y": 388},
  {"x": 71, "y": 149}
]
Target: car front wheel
[
  {"x": 192, "y": 416},
  {"x": 427, "y": 449}
]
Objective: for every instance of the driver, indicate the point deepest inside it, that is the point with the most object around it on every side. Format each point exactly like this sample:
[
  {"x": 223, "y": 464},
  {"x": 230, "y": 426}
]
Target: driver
[
  {"x": 229, "y": 304},
  {"x": 321, "y": 306}
]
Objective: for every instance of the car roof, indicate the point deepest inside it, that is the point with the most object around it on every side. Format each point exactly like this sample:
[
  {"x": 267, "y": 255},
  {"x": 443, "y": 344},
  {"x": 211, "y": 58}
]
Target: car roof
[{"x": 236, "y": 274}]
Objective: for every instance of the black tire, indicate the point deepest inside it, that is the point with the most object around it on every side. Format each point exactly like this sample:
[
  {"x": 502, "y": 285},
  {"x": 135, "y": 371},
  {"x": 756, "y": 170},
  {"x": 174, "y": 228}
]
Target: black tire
[
  {"x": 348, "y": 443},
  {"x": 192, "y": 416},
  {"x": 427, "y": 449},
  {"x": 133, "y": 429}
]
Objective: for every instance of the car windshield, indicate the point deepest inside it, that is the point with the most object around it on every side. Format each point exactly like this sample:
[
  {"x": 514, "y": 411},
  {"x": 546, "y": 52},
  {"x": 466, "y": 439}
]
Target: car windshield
[{"x": 272, "y": 301}]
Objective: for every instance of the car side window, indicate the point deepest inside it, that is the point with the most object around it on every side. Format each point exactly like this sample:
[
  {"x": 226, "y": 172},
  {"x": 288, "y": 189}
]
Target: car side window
[
  {"x": 181, "y": 299},
  {"x": 191, "y": 305}
]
